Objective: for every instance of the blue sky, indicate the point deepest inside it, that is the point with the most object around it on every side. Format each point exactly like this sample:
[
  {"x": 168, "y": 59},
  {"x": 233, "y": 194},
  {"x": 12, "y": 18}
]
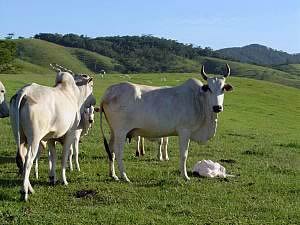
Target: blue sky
[{"x": 217, "y": 24}]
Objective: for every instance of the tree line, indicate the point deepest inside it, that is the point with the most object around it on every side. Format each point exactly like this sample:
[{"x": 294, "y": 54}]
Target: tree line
[
  {"x": 134, "y": 54},
  {"x": 8, "y": 51}
]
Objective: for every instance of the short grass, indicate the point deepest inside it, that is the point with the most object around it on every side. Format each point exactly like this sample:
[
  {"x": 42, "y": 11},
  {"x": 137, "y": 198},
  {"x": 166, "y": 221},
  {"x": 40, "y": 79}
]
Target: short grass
[{"x": 258, "y": 140}]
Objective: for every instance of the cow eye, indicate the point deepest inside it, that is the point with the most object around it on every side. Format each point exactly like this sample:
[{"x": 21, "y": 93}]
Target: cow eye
[{"x": 2, "y": 91}]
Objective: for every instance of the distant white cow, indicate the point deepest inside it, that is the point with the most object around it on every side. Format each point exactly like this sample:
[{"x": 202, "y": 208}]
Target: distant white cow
[
  {"x": 4, "y": 112},
  {"x": 41, "y": 113},
  {"x": 87, "y": 119},
  {"x": 189, "y": 111},
  {"x": 162, "y": 153}
]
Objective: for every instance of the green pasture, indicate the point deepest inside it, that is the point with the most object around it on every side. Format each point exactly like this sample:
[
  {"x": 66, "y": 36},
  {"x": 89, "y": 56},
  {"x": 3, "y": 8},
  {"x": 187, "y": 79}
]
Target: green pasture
[{"x": 257, "y": 140}]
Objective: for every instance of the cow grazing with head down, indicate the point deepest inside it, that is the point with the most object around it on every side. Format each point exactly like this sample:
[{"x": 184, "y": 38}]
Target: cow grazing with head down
[
  {"x": 189, "y": 111},
  {"x": 41, "y": 113},
  {"x": 4, "y": 112}
]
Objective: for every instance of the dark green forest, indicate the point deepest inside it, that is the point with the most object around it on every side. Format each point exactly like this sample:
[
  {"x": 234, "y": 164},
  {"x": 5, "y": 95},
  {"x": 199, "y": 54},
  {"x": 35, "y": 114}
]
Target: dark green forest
[
  {"x": 7, "y": 55},
  {"x": 135, "y": 54}
]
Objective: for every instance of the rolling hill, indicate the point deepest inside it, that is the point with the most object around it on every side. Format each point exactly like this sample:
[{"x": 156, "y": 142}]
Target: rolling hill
[
  {"x": 259, "y": 54},
  {"x": 34, "y": 56}
]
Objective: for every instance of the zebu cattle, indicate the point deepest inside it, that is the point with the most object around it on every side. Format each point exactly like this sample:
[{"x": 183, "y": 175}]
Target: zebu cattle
[
  {"x": 162, "y": 153},
  {"x": 41, "y": 113},
  {"x": 4, "y": 112},
  {"x": 86, "y": 121},
  {"x": 189, "y": 111}
]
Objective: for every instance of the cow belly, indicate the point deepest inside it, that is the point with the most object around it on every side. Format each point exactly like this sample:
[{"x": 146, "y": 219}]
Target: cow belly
[{"x": 157, "y": 133}]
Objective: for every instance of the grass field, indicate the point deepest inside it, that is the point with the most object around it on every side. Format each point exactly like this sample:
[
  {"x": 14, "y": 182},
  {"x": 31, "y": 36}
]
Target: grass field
[{"x": 257, "y": 139}]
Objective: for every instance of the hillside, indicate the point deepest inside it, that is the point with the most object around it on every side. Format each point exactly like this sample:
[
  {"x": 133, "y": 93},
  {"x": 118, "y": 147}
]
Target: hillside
[
  {"x": 259, "y": 54},
  {"x": 289, "y": 68},
  {"x": 35, "y": 56}
]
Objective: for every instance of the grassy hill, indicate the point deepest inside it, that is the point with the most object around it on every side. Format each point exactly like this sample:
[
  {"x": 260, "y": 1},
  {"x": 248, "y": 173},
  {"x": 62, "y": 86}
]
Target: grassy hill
[
  {"x": 290, "y": 68},
  {"x": 216, "y": 66},
  {"x": 35, "y": 56},
  {"x": 259, "y": 54},
  {"x": 256, "y": 140}
]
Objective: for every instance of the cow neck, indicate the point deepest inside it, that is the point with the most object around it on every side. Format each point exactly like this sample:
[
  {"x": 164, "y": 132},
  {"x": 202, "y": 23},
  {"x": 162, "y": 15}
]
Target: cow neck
[
  {"x": 82, "y": 95},
  {"x": 211, "y": 119},
  {"x": 207, "y": 120}
]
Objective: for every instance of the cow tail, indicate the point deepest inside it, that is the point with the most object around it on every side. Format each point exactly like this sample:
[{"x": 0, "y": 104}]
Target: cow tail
[
  {"x": 104, "y": 138},
  {"x": 17, "y": 106}
]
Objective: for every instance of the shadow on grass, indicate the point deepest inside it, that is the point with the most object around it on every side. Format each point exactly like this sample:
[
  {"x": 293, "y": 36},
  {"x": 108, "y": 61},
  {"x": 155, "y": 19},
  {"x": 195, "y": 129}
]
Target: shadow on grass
[{"x": 7, "y": 159}]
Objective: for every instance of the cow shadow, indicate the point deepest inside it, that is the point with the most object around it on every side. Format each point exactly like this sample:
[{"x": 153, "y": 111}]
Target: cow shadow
[{"x": 7, "y": 159}]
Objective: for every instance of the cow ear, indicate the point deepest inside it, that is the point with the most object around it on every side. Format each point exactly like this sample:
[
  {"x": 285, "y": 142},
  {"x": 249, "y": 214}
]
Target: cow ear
[
  {"x": 228, "y": 87},
  {"x": 205, "y": 88}
]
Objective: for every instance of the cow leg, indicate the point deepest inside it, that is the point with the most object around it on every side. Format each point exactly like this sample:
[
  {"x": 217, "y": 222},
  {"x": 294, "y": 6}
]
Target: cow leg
[
  {"x": 71, "y": 156},
  {"x": 68, "y": 141},
  {"x": 184, "y": 145},
  {"x": 165, "y": 141},
  {"x": 112, "y": 172},
  {"x": 52, "y": 161},
  {"x": 159, "y": 153},
  {"x": 20, "y": 157},
  {"x": 143, "y": 146},
  {"x": 138, "y": 146},
  {"x": 76, "y": 147},
  {"x": 36, "y": 169},
  {"x": 31, "y": 154},
  {"x": 118, "y": 149}
]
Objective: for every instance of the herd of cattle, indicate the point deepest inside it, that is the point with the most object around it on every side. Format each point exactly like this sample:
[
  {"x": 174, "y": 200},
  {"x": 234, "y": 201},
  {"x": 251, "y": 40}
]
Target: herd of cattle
[{"x": 42, "y": 116}]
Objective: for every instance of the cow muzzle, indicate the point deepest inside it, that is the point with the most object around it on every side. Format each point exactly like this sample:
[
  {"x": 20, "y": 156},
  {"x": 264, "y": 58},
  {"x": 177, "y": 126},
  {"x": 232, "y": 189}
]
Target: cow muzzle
[
  {"x": 217, "y": 108},
  {"x": 91, "y": 121}
]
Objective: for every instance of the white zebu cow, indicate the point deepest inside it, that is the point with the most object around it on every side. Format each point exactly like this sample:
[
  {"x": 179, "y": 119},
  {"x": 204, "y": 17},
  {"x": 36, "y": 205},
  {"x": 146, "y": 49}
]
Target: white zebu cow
[
  {"x": 189, "y": 111},
  {"x": 162, "y": 153},
  {"x": 41, "y": 113},
  {"x": 4, "y": 112},
  {"x": 87, "y": 119}
]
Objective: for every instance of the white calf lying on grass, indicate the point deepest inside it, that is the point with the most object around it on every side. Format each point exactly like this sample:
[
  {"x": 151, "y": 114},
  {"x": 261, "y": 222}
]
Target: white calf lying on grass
[
  {"x": 87, "y": 119},
  {"x": 208, "y": 168},
  {"x": 162, "y": 153}
]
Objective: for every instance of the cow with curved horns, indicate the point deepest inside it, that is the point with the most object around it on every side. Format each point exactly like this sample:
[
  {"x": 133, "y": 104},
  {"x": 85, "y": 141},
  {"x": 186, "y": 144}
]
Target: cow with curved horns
[
  {"x": 41, "y": 113},
  {"x": 4, "y": 112},
  {"x": 189, "y": 111}
]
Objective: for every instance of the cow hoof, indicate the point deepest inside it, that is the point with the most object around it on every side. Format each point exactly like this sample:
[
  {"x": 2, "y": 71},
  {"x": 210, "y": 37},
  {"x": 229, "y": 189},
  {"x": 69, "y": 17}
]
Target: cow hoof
[
  {"x": 125, "y": 178},
  {"x": 24, "y": 196},
  {"x": 52, "y": 180},
  {"x": 65, "y": 183},
  {"x": 166, "y": 159},
  {"x": 137, "y": 154},
  {"x": 30, "y": 190},
  {"x": 115, "y": 177},
  {"x": 187, "y": 178}
]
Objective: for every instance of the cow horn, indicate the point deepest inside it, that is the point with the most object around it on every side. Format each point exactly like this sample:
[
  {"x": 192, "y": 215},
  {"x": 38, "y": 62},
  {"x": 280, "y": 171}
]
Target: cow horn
[
  {"x": 55, "y": 68},
  {"x": 65, "y": 69},
  {"x": 203, "y": 73},
  {"x": 228, "y": 70}
]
